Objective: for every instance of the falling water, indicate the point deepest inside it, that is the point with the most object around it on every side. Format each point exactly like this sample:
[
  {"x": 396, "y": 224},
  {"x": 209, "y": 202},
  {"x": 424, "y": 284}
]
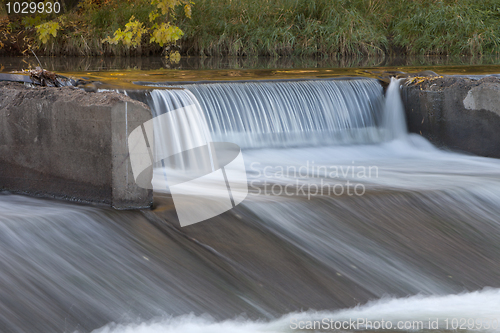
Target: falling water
[
  {"x": 286, "y": 114},
  {"x": 394, "y": 117}
]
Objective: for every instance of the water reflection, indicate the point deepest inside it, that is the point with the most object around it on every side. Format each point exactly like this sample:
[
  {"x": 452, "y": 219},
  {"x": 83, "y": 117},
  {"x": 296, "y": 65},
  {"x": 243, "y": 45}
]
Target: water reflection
[{"x": 72, "y": 64}]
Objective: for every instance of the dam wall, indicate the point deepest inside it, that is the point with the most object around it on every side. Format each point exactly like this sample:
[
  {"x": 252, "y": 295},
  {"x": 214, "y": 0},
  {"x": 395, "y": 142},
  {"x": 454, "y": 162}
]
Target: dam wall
[
  {"x": 456, "y": 113},
  {"x": 69, "y": 144}
]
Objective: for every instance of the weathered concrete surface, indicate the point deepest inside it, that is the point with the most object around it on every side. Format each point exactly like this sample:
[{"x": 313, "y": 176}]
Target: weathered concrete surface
[
  {"x": 69, "y": 144},
  {"x": 457, "y": 113}
]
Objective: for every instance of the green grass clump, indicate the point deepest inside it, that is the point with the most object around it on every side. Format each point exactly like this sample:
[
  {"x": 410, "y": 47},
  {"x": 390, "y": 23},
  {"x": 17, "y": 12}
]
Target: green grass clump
[
  {"x": 448, "y": 27},
  {"x": 280, "y": 28}
]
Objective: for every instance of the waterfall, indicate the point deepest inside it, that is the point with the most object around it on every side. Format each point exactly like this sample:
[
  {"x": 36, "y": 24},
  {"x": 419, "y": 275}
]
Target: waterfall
[
  {"x": 394, "y": 117},
  {"x": 283, "y": 114}
]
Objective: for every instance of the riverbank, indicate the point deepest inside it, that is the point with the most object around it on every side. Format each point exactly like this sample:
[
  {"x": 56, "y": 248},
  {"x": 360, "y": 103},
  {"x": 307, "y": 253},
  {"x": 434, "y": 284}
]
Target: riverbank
[{"x": 274, "y": 28}]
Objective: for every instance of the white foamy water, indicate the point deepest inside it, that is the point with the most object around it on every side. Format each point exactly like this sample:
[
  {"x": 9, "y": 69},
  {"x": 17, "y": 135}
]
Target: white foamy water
[
  {"x": 483, "y": 307},
  {"x": 402, "y": 161}
]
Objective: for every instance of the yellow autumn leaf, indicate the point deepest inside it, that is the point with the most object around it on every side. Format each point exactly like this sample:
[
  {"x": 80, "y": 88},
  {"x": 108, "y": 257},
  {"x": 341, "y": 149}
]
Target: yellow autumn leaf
[
  {"x": 175, "y": 57},
  {"x": 45, "y": 30},
  {"x": 187, "y": 10},
  {"x": 131, "y": 36},
  {"x": 166, "y": 34},
  {"x": 165, "y": 5},
  {"x": 153, "y": 15}
]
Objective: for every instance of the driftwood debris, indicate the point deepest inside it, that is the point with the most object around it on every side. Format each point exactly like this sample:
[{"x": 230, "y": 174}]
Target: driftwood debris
[{"x": 46, "y": 78}]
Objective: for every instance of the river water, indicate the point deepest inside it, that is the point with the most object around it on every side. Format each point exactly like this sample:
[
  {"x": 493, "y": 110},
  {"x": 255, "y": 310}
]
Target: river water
[{"x": 348, "y": 217}]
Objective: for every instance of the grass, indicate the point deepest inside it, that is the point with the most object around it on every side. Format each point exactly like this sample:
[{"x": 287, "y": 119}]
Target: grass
[
  {"x": 326, "y": 28},
  {"x": 319, "y": 28},
  {"x": 279, "y": 28},
  {"x": 450, "y": 27}
]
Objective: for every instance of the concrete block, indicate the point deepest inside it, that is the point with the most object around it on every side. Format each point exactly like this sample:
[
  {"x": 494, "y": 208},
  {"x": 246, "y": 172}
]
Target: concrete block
[
  {"x": 457, "y": 113},
  {"x": 69, "y": 144}
]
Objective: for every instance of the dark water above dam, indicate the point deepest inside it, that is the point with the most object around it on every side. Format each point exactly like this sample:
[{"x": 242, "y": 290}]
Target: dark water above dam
[
  {"x": 123, "y": 72},
  {"x": 348, "y": 216},
  {"x": 103, "y": 64}
]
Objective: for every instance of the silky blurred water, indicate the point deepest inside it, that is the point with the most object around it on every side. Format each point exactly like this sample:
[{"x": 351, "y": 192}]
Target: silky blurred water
[{"x": 414, "y": 235}]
